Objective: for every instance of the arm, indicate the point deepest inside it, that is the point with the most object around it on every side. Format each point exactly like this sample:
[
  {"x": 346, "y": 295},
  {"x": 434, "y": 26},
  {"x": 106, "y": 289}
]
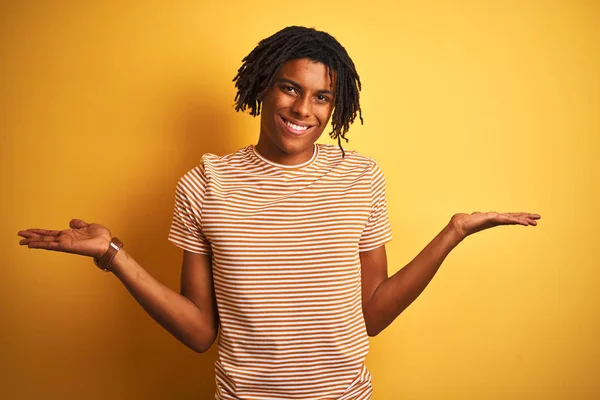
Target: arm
[
  {"x": 385, "y": 298},
  {"x": 190, "y": 316}
]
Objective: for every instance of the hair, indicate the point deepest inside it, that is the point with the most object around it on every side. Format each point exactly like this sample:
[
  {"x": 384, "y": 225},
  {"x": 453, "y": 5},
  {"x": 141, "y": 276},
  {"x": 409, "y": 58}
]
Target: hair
[{"x": 295, "y": 42}]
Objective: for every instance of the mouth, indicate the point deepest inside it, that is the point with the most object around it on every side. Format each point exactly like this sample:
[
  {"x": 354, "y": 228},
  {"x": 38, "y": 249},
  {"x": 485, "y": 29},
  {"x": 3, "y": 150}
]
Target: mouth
[{"x": 295, "y": 128}]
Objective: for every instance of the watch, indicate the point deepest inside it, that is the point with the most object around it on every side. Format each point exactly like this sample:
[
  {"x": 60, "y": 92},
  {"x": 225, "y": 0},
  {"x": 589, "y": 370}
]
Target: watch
[{"x": 103, "y": 262}]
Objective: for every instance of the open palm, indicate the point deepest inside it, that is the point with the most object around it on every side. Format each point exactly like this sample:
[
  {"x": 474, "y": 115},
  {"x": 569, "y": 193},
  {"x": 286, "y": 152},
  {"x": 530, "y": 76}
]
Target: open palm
[
  {"x": 83, "y": 238},
  {"x": 467, "y": 224}
]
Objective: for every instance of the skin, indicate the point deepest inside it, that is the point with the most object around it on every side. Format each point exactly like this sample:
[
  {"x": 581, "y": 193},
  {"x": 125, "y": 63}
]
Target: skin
[{"x": 302, "y": 93}]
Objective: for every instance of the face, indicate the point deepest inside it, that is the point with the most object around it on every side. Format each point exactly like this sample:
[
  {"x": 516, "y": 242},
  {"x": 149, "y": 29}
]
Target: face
[{"x": 295, "y": 110}]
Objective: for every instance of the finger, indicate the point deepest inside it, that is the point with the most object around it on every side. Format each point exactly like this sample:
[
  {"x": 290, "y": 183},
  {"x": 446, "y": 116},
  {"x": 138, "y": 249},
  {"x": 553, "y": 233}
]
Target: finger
[
  {"x": 25, "y": 234},
  {"x": 77, "y": 224},
  {"x": 25, "y": 242},
  {"x": 44, "y": 245},
  {"x": 35, "y": 237},
  {"x": 508, "y": 219},
  {"x": 46, "y": 239},
  {"x": 40, "y": 232},
  {"x": 29, "y": 235},
  {"x": 515, "y": 214},
  {"x": 39, "y": 239},
  {"x": 528, "y": 221},
  {"x": 524, "y": 214},
  {"x": 514, "y": 218},
  {"x": 531, "y": 218}
]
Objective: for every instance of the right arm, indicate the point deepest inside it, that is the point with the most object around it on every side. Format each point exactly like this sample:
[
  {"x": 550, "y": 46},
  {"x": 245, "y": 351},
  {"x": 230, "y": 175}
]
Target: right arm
[{"x": 190, "y": 316}]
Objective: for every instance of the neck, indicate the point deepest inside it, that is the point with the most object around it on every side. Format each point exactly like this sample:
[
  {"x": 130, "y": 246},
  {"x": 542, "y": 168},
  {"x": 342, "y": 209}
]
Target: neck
[{"x": 276, "y": 155}]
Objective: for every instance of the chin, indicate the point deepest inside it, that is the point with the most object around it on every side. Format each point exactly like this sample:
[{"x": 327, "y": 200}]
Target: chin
[
  {"x": 296, "y": 146},
  {"x": 291, "y": 148}
]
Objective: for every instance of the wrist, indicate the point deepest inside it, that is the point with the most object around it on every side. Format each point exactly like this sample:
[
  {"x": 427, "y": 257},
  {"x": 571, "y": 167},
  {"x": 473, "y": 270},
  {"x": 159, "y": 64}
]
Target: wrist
[
  {"x": 454, "y": 233},
  {"x": 108, "y": 256},
  {"x": 103, "y": 248}
]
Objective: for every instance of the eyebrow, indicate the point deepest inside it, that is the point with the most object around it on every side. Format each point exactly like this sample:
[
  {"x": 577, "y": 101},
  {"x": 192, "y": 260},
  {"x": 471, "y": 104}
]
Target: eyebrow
[{"x": 291, "y": 82}]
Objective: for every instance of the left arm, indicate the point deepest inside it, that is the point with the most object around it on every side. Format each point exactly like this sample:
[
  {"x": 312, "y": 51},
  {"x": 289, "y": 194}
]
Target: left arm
[{"x": 385, "y": 298}]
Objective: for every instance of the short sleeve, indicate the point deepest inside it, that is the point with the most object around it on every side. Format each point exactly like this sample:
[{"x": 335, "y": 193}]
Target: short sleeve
[
  {"x": 378, "y": 230},
  {"x": 186, "y": 228}
]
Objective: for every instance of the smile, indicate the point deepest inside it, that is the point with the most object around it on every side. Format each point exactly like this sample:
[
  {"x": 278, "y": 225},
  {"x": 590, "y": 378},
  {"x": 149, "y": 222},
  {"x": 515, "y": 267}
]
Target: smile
[{"x": 295, "y": 129}]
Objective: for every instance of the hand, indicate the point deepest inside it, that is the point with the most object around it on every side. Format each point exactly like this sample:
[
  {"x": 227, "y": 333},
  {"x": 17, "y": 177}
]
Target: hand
[
  {"x": 467, "y": 224},
  {"x": 83, "y": 238}
]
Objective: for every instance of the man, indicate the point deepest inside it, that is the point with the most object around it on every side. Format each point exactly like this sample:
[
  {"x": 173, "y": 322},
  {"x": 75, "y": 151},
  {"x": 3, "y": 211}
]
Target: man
[{"x": 284, "y": 241}]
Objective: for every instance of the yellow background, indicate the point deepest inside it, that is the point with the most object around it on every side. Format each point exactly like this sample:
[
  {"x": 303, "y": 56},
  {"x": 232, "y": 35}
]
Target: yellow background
[{"x": 468, "y": 106}]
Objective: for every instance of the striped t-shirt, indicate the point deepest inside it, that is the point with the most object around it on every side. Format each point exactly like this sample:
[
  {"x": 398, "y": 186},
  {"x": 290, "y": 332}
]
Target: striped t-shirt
[{"x": 285, "y": 243}]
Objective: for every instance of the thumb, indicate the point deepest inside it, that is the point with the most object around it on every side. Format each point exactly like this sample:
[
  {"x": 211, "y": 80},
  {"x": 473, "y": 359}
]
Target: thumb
[{"x": 77, "y": 224}]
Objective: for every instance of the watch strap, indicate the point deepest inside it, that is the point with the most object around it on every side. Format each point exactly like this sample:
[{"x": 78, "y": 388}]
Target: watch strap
[{"x": 104, "y": 262}]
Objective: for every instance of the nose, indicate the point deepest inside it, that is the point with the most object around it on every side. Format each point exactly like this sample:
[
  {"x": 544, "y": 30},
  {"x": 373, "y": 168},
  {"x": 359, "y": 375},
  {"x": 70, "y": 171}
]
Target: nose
[{"x": 302, "y": 106}]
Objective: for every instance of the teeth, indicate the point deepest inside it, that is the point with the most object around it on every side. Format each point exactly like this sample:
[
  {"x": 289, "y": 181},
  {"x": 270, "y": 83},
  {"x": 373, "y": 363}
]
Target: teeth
[{"x": 296, "y": 127}]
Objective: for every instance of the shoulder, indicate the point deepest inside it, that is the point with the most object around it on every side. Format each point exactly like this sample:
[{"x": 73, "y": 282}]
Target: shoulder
[
  {"x": 211, "y": 168},
  {"x": 237, "y": 159},
  {"x": 212, "y": 165},
  {"x": 352, "y": 160}
]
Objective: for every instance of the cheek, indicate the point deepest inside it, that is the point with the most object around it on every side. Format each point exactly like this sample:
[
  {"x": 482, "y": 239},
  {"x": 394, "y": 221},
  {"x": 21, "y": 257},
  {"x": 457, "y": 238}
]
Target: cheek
[
  {"x": 282, "y": 102},
  {"x": 325, "y": 114}
]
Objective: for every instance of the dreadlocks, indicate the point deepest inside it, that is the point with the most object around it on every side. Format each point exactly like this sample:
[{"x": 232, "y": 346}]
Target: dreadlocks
[{"x": 294, "y": 42}]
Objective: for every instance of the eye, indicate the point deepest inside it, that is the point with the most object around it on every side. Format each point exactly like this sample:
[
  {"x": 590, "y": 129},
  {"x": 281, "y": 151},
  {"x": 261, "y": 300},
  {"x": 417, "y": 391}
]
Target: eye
[
  {"x": 322, "y": 98},
  {"x": 289, "y": 89}
]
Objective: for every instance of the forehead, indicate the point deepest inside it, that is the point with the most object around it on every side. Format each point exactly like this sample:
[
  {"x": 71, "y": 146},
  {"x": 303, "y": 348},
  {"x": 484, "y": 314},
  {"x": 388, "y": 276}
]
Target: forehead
[{"x": 307, "y": 73}]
